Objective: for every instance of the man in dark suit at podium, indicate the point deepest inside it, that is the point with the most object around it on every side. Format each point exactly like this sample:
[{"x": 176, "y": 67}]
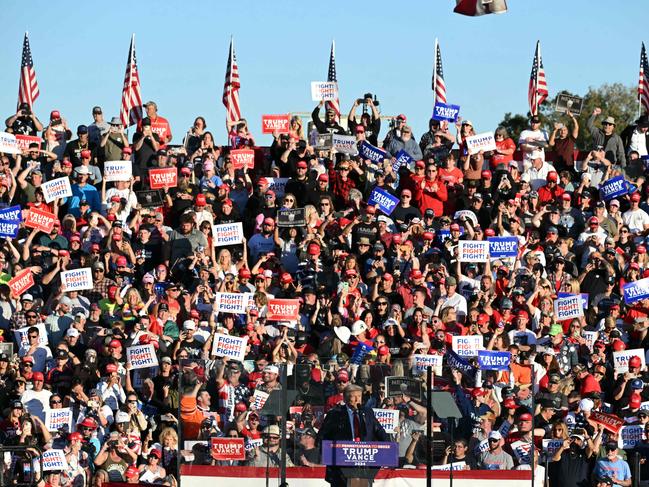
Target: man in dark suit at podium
[{"x": 350, "y": 422}]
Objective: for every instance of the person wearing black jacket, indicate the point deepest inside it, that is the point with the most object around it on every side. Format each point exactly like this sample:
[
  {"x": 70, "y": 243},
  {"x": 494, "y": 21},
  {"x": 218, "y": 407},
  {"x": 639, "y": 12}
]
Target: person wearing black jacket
[
  {"x": 349, "y": 422},
  {"x": 329, "y": 126},
  {"x": 370, "y": 123},
  {"x": 298, "y": 184}
]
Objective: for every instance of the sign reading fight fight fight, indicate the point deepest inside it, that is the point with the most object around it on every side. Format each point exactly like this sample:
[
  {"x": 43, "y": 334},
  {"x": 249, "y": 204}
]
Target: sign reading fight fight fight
[
  {"x": 232, "y": 302},
  {"x": 467, "y": 345},
  {"x": 568, "y": 307},
  {"x": 388, "y": 418},
  {"x": 473, "y": 250},
  {"x": 324, "y": 90},
  {"x": 360, "y": 454},
  {"x": 227, "y": 234},
  {"x": 385, "y": 201},
  {"x": 55, "y": 419},
  {"x": 56, "y": 188},
  {"x": 229, "y": 346},
  {"x": 444, "y": 112},
  {"x": 77, "y": 279},
  {"x": 142, "y": 356}
]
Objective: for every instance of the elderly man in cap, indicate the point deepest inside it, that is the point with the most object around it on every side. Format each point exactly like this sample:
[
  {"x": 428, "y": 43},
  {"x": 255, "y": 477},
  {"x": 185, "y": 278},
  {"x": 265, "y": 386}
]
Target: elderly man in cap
[
  {"x": 114, "y": 141},
  {"x": 532, "y": 140},
  {"x": 613, "y": 466},
  {"x": 606, "y": 138},
  {"x": 159, "y": 125}
]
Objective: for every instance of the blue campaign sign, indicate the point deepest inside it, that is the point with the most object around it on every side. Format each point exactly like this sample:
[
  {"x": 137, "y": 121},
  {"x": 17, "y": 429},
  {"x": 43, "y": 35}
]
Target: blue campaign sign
[
  {"x": 444, "y": 235},
  {"x": 636, "y": 291},
  {"x": 360, "y": 453},
  {"x": 9, "y": 228},
  {"x": 492, "y": 360},
  {"x": 442, "y": 111},
  {"x": 613, "y": 188},
  {"x": 584, "y": 298},
  {"x": 359, "y": 353},
  {"x": 374, "y": 154},
  {"x": 13, "y": 213},
  {"x": 500, "y": 247},
  {"x": 386, "y": 202},
  {"x": 402, "y": 158},
  {"x": 454, "y": 361}
]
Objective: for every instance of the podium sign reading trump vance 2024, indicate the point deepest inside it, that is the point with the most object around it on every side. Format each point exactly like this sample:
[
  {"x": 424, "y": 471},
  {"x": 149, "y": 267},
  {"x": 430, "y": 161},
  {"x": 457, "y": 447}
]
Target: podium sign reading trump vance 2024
[{"x": 360, "y": 453}]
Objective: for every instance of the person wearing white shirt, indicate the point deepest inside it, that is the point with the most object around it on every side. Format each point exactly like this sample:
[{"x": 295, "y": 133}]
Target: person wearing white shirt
[
  {"x": 531, "y": 140},
  {"x": 454, "y": 300},
  {"x": 538, "y": 171},
  {"x": 37, "y": 399},
  {"x": 636, "y": 218},
  {"x": 521, "y": 335}
]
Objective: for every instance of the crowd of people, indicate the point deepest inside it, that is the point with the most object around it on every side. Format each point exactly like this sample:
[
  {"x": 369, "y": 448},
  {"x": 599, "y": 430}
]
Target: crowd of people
[{"x": 374, "y": 289}]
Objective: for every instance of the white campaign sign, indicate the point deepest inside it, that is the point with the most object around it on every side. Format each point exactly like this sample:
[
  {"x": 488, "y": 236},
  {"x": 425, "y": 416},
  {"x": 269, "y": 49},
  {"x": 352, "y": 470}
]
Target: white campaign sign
[
  {"x": 259, "y": 398},
  {"x": 468, "y": 345},
  {"x": 54, "y": 460},
  {"x": 568, "y": 307},
  {"x": 23, "y": 340},
  {"x": 232, "y": 302},
  {"x": 55, "y": 419},
  {"x": 345, "y": 144},
  {"x": 229, "y": 346},
  {"x": 142, "y": 356},
  {"x": 118, "y": 170},
  {"x": 389, "y": 419},
  {"x": 227, "y": 234},
  {"x": 77, "y": 279},
  {"x": 481, "y": 142},
  {"x": 56, "y": 188},
  {"x": 421, "y": 362},
  {"x": 324, "y": 90},
  {"x": 8, "y": 143},
  {"x": 621, "y": 359},
  {"x": 473, "y": 250}
]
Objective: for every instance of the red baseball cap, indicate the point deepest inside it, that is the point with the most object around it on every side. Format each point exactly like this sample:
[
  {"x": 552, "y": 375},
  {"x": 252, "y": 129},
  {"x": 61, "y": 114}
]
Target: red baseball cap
[
  {"x": 420, "y": 164},
  {"x": 286, "y": 278},
  {"x": 115, "y": 344},
  {"x": 593, "y": 220},
  {"x": 121, "y": 261},
  {"x": 635, "y": 197},
  {"x": 510, "y": 403},
  {"x": 323, "y": 177},
  {"x": 127, "y": 150},
  {"x": 370, "y": 209},
  {"x": 486, "y": 174},
  {"x": 37, "y": 376},
  {"x": 634, "y": 361},
  {"x": 455, "y": 227},
  {"x": 185, "y": 170},
  {"x": 429, "y": 235},
  {"x": 552, "y": 176},
  {"x": 490, "y": 232},
  {"x": 200, "y": 200},
  {"x": 383, "y": 350},
  {"x": 269, "y": 221},
  {"x": 86, "y": 154},
  {"x": 244, "y": 273},
  {"x": 566, "y": 197},
  {"x": 416, "y": 274},
  {"x": 313, "y": 249},
  {"x": 302, "y": 165},
  {"x": 402, "y": 117}
]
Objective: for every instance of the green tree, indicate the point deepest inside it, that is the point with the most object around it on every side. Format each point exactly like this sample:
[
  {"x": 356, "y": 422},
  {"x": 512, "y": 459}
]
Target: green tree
[{"x": 515, "y": 124}]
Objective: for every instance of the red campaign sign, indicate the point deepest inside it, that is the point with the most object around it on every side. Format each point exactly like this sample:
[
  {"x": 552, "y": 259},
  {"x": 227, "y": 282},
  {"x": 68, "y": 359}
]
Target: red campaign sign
[
  {"x": 228, "y": 449},
  {"x": 40, "y": 220},
  {"x": 25, "y": 140},
  {"x": 283, "y": 309},
  {"x": 243, "y": 158},
  {"x": 609, "y": 421},
  {"x": 165, "y": 177},
  {"x": 22, "y": 282},
  {"x": 275, "y": 123}
]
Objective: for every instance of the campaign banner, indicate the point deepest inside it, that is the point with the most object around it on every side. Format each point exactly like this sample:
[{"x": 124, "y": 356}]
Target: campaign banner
[
  {"x": 402, "y": 158},
  {"x": 610, "y": 421},
  {"x": 481, "y": 142},
  {"x": 25, "y": 140},
  {"x": 444, "y": 235},
  {"x": 324, "y": 90},
  {"x": 13, "y": 213},
  {"x": 454, "y": 361},
  {"x": 251, "y": 444},
  {"x": 568, "y": 307},
  {"x": 229, "y": 346},
  {"x": 473, "y": 250},
  {"x": 23, "y": 340},
  {"x": 9, "y": 229},
  {"x": 636, "y": 291},
  {"x": 385, "y": 201},
  {"x": 457, "y": 466},
  {"x": 40, "y": 220},
  {"x": 467, "y": 345},
  {"x": 613, "y": 188},
  {"x": 227, "y": 448},
  {"x": 149, "y": 198},
  {"x": 55, "y": 419},
  {"x": 388, "y": 418},
  {"x": 118, "y": 170},
  {"x": 56, "y": 188},
  {"x": 621, "y": 359},
  {"x": 141, "y": 356},
  {"x": 359, "y": 353},
  {"x": 568, "y": 103},
  {"x": 551, "y": 446},
  {"x": 9, "y": 144},
  {"x": 631, "y": 436},
  {"x": 360, "y": 454},
  {"x": 444, "y": 112},
  {"x": 493, "y": 360},
  {"x": 590, "y": 337},
  {"x": 294, "y": 217},
  {"x": 275, "y": 123},
  {"x": 77, "y": 279},
  {"x": 503, "y": 247},
  {"x": 259, "y": 398},
  {"x": 21, "y": 282},
  {"x": 345, "y": 144},
  {"x": 522, "y": 451},
  {"x": 243, "y": 158},
  {"x": 369, "y": 152},
  {"x": 232, "y": 302},
  {"x": 584, "y": 298},
  {"x": 227, "y": 234},
  {"x": 164, "y": 177},
  {"x": 278, "y": 185},
  {"x": 283, "y": 310},
  {"x": 53, "y": 460},
  {"x": 420, "y": 363},
  {"x": 396, "y": 385}
]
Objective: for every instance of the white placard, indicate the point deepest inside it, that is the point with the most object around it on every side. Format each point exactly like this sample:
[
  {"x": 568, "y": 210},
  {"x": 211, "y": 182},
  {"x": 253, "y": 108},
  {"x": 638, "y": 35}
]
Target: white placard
[
  {"x": 551, "y": 446},
  {"x": 568, "y": 307},
  {"x": 142, "y": 356},
  {"x": 77, "y": 279},
  {"x": 388, "y": 418},
  {"x": 259, "y": 398},
  {"x": 468, "y": 345},
  {"x": 55, "y": 419},
  {"x": 421, "y": 362},
  {"x": 473, "y": 250},
  {"x": 232, "y": 302},
  {"x": 56, "y": 188},
  {"x": 53, "y": 460},
  {"x": 447, "y": 466},
  {"x": 229, "y": 346},
  {"x": 23, "y": 340},
  {"x": 118, "y": 170},
  {"x": 481, "y": 142},
  {"x": 621, "y": 359},
  {"x": 590, "y": 337},
  {"x": 324, "y": 90},
  {"x": 227, "y": 234},
  {"x": 346, "y": 144},
  {"x": 277, "y": 185},
  {"x": 8, "y": 143}
]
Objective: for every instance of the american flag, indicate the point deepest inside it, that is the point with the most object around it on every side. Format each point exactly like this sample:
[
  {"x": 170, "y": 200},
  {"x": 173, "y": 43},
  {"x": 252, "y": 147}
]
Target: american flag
[
  {"x": 131, "y": 111},
  {"x": 538, "y": 90},
  {"x": 475, "y": 8},
  {"x": 439, "y": 88},
  {"x": 28, "y": 87},
  {"x": 231, "y": 87},
  {"x": 643, "y": 82},
  {"x": 331, "y": 76}
]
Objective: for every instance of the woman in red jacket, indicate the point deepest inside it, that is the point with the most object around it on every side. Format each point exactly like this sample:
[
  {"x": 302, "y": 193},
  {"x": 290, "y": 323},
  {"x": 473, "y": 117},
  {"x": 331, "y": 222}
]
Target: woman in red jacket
[{"x": 431, "y": 192}]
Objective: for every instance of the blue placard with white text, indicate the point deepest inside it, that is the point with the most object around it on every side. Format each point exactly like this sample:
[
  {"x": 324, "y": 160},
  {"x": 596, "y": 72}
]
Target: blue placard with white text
[
  {"x": 444, "y": 112},
  {"x": 374, "y": 154},
  {"x": 13, "y": 213},
  {"x": 613, "y": 188},
  {"x": 385, "y": 201},
  {"x": 402, "y": 158},
  {"x": 500, "y": 247},
  {"x": 493, "y": 360},
  {"x": 9, "y": 228}
]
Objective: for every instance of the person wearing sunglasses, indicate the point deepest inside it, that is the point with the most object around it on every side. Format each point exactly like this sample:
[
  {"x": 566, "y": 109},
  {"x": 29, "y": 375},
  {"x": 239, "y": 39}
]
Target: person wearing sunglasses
[
  {"x": 606, "y": 138},
  {"x": 495, "y": 458}
]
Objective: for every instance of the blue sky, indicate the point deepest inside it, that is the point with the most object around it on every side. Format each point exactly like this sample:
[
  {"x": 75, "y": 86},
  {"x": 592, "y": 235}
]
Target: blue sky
[{"x": 383, "y": 47}]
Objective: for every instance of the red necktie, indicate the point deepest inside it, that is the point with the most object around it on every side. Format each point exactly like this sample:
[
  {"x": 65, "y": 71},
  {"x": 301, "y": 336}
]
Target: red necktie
[{"x": 357, "y": 427}]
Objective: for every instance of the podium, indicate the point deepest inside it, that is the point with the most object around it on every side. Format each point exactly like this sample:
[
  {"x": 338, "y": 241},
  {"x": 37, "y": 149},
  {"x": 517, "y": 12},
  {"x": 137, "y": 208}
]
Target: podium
[
  {"x": 359, "y": 476},
  {"x": 359, "y": 461}
]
